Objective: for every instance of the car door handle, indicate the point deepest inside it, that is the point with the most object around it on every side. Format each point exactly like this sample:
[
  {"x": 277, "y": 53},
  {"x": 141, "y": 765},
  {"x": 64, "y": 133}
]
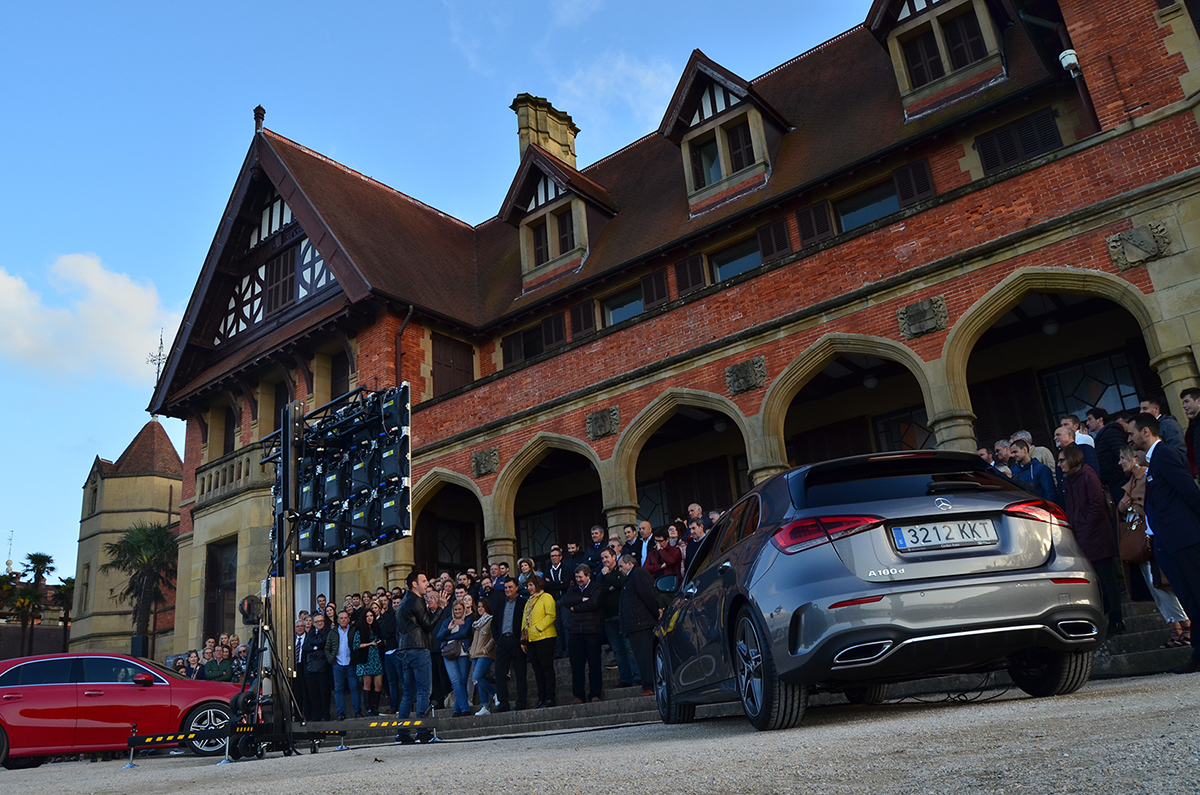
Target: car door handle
[
  {"x": 725, "y": 567},
  {"x": 690, "y": 590},
  {"x": 13, "y": 697},
  {"x": 93, "y": 693}
]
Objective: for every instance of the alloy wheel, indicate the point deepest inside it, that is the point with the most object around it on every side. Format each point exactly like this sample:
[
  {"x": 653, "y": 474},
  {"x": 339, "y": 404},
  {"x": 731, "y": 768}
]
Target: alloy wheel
[{"x": 748, "y": 648}]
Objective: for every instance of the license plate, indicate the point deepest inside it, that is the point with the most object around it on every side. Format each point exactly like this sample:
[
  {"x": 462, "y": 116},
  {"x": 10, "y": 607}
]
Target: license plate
[{"x": 944, "y": 535}]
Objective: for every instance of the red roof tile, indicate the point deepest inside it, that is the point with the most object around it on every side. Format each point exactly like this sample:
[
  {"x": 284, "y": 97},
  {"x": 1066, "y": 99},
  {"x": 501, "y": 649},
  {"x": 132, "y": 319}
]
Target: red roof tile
[{"x": 150, "y": 453}]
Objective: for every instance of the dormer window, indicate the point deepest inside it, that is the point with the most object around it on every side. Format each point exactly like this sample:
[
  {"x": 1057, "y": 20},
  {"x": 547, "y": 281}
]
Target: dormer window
[
  {"x": 726, "y": 132},
  {"x": 554, "y": 208},
  {"x": 940, "y": 45}
]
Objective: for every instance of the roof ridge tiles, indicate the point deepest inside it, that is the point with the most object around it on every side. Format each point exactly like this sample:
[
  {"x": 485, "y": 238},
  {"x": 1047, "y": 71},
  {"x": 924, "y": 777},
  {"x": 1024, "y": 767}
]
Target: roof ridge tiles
[
  {"x": 810, "y": 51},
  {"x": 362, "y": 176}
]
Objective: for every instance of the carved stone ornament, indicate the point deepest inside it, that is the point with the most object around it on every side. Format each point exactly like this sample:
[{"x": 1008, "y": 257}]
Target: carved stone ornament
[
  {"x": 923, "y": 317},
  {"x": 604, "y": 422},
  {"x": 745, "y": 376},
  {"x": 485, "y": 462},
  {"x": 1141, "y": 244}
]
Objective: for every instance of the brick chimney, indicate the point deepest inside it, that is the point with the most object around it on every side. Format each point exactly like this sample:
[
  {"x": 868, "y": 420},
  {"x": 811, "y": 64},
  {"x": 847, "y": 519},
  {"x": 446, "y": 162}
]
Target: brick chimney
[{"x": 539, "y": 123}]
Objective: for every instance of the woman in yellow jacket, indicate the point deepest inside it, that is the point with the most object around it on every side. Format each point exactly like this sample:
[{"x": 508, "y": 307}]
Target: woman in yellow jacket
[{"x": 538, "y": 637}]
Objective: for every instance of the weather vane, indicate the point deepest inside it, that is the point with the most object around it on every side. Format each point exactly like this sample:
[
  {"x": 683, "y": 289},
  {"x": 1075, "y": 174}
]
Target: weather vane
[
  {"x": 8, "y": 563},
  {"x": 157, "y": 360}
]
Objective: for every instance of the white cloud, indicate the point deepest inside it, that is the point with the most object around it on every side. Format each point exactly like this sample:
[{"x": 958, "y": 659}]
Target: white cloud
[
  {"x": 110, "y": 323},
  {"x": 616, "y": 85},
  {"x": 476, "y": 28},
  {"x": 569, "y": 13}
]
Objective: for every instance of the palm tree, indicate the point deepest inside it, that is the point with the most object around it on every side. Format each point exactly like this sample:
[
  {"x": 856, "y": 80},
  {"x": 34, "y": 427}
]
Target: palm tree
[
  {"x": 26, "y": 602},
  {"x": 8, "y": 586},
  {"x": 39, "y": 564},
  {"x": 64, "y": 599},
  {"x": 149, "y": 555}
]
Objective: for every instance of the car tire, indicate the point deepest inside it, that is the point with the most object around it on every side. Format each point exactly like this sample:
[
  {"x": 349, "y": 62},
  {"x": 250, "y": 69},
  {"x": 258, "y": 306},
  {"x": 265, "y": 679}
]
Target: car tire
[
  {"x": 867, "y": 695},
  {"x": 23, "y": 762},
  {"x": 669, "y": 708},
  {"x": 1044, "y": 672},
  {"x": 769, "y": 703},
  {"x": 210, "y": 715}
]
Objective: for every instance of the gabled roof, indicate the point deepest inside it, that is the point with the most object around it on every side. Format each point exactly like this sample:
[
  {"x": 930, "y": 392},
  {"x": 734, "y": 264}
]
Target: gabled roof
[
  {"x": 150, "y": 453},
  {"x": 701, "y": 70},
  {"x": 537, "y": 161}
]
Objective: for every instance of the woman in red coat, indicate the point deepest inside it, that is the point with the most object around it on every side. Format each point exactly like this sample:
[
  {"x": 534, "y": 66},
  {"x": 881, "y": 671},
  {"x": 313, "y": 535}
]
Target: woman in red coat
[{"x": 1087, "y": 511}]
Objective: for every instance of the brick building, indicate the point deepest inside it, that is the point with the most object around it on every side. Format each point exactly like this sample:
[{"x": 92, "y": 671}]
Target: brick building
[{"x": 924, "y": 232}]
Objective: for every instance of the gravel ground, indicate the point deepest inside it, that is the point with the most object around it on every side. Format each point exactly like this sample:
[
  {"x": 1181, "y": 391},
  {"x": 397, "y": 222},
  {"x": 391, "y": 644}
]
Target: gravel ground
[{"x": 1116, "y": 736}]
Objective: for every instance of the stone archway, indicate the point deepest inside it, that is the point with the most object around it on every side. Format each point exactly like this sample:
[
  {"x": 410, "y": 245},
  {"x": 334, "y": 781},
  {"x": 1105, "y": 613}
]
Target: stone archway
[
  {"x": 1015, "y": 287},
  {"x": 813, "y": 360}
]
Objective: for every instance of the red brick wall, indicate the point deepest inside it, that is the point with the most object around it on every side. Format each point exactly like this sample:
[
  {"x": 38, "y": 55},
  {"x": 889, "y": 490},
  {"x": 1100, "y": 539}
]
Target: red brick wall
[{"x": 1126, "y": 32}]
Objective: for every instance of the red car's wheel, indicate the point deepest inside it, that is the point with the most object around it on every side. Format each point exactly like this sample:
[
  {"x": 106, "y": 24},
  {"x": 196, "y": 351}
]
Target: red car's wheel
[{"x": 211, "y": 715}]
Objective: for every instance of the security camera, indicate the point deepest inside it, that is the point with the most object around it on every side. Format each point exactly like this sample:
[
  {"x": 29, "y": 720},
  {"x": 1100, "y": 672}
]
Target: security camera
[{"x": 1070, "y": 62}]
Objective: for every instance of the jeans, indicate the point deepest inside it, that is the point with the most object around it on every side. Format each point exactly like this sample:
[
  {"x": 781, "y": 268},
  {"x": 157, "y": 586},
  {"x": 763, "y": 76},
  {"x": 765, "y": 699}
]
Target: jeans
[
  {"x": 459, "y": 669},
  {"x": 627, "y": 670},
  {"x": 391, "y": 667},
  {"x": 479, "y": 669},
  {"x": 416, "y": 674},
  {"x": 345, "y": 679},
  {"x": 584, "y": 648},
  {"x": 1166, "y": 601}
]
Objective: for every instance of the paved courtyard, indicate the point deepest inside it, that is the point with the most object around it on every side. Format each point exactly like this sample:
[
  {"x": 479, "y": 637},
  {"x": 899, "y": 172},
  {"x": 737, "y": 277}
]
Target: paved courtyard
[{"x": 1115, "y": 736}]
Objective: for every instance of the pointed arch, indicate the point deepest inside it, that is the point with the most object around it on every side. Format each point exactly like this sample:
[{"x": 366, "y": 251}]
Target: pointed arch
[
  {"x": 508, "y": 483},
  {"x": 650, "y": 419},
  {"x": 428, "y": 487},
  {"x": 804, "y": 367},
  {"x": 1018, "y": 286}
]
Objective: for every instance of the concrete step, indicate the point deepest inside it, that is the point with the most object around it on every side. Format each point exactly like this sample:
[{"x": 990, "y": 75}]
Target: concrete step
[{"x": 1141, "y": 663}]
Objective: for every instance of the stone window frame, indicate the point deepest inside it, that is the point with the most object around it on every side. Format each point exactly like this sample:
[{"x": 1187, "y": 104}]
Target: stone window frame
[
  {"x": 718, "y": 126},
  {"x": 548, "y": 214},
  {"x": 933, "y": 18}
]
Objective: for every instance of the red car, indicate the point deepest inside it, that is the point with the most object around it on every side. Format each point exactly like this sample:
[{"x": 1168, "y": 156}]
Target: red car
[{"x": 76, "y": 703}]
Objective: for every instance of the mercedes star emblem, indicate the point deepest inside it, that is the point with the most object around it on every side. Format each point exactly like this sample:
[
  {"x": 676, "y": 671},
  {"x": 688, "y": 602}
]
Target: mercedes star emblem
[{"x": 943, "y": 504}]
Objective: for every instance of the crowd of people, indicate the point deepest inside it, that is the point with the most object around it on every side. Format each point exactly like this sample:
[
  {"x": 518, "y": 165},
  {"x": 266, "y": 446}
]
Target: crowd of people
[
  {"x": 460, "y": 641},
  {"x": 1127, "y": 484}
]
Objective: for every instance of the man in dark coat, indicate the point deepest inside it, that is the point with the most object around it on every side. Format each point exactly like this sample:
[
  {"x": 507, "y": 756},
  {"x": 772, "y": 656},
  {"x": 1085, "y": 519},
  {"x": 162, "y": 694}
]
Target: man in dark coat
[
  {"x": 388, "y": 627},
  {"x": 1190, "y": 399},
  {"x": 1172, "y": 517},
  {"x": 639, "y": 613},
  {"x": 612, "y": 580},
  {"x": 1110, "y": 438},
  {"x": 316, "y": 666},
  {"x": 583, "y": 604},
  {"x": 591, "y": 555},
  {"x": 300, "y": 680},
  {"x": 415, "y": 623},
  {"x": 506, "y": 630},
  {"x": 558, "y": 579}
]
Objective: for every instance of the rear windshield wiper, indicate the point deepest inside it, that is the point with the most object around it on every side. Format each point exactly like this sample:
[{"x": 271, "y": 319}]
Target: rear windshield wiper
[{"x": 936, "y": 486}]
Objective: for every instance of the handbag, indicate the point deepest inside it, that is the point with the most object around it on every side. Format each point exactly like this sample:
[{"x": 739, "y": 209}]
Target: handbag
[
  {"x": 452, "y": 649},
  {"x": 1132, "y": 540},
  {"x": 360, "y": 655}
]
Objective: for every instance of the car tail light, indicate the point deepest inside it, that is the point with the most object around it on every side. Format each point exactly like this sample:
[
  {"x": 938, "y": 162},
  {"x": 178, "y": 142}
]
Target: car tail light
[
  {"x": 1039, "y": 510},
  {"x": 866, "y": 600},
  {"x": 813, "y": 531}
]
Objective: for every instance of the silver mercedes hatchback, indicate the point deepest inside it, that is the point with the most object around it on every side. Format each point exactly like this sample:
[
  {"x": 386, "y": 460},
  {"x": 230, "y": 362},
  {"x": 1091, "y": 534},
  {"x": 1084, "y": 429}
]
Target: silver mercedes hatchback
[{"x": 847, "y": 575}]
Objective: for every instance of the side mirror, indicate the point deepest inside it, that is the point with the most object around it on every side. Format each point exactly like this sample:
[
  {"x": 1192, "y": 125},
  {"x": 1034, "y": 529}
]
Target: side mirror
[
  {"x": 667, "y": 584},
  {"x": 143, "y": 679}
]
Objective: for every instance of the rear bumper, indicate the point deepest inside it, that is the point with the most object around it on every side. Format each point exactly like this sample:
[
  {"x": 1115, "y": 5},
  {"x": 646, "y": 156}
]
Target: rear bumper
[{"x": 911, "y": 634}]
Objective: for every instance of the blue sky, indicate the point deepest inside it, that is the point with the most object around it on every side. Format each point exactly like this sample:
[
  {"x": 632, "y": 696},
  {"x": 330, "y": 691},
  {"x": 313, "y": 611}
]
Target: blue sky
[{"x": 124, "y": 125}]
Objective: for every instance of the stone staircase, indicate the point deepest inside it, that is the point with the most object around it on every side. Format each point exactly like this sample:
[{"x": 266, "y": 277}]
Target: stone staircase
[{"x": 1135, "y": 652}]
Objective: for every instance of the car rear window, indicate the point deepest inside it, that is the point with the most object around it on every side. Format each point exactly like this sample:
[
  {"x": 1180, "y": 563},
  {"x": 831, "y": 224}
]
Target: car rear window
[
  {"x": 896, "y": 479},
  {"x": 42, "y": 672}
]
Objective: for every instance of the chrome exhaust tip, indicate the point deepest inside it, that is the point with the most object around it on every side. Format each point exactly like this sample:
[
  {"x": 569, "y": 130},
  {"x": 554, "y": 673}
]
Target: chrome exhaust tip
[
  {"x": 1078, "y": 628},
  {"x": 862, "y": 653}
]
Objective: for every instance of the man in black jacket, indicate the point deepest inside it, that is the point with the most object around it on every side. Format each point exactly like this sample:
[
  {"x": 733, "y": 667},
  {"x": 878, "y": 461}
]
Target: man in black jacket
[
  {"x": 389, "y": 624},
  {"x": 1172, "y": 517},
  {"x": 611, "y": 583},
  {"x": 1109, "y": 441},
  {"x": 591, "y": 555},
  {"x": 558, "y": 579},
  {"x": 639, "y": 614},
  {"x": 583, "y": 604},
  {"x": 300, "y": 680},
  {"x": 506, "y": 629},
  {"x": 316, "y": 666},
  {"x": 414, "y": 628}
]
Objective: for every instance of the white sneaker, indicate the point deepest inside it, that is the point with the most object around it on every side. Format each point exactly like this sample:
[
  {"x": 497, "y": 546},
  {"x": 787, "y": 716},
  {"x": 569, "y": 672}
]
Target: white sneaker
[{"x": 484, "y": 711}]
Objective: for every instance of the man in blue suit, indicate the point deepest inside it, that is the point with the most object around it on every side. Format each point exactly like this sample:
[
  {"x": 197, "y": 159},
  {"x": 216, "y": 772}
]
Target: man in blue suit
[{"x": 1172, "y": 517}]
